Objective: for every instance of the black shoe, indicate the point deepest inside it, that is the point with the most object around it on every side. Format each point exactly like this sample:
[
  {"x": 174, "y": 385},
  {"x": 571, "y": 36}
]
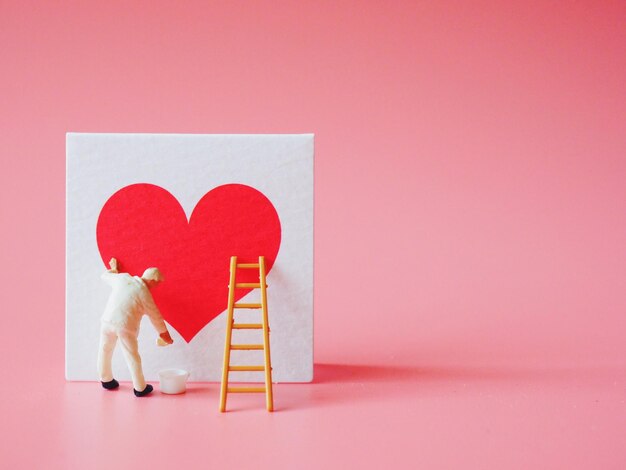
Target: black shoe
[
  {"x": 146, "y": 391},
  {"x": 110, "y": 385}
]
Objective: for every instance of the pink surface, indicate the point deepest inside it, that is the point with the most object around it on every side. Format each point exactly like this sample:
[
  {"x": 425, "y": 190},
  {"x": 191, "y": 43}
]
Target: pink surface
[{"x": 470, "y": 226}]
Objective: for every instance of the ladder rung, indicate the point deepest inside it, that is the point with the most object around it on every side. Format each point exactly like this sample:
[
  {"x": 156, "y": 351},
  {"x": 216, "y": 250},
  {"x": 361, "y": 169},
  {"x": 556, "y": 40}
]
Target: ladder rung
[
  {"x": 248, "y": 285},
  {"x": 240, "y": 347},
  {"x": 247, "y": 326},
  {"x": 247, "y": 368},
  {"x": 248, "y": 266},
  {"x": 245, "y": 389},
  {"x": 247, "y": 306}
]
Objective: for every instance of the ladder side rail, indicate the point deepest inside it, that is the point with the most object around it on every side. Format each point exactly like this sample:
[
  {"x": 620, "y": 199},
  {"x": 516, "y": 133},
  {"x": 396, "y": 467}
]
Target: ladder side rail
[
  {"x": 229, "y": 324},
  {"x": 269, "y": 396}
]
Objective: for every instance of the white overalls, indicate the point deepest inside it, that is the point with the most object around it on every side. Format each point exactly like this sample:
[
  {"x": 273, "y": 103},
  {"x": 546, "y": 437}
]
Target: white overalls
[{"x": 129, "y": 301}]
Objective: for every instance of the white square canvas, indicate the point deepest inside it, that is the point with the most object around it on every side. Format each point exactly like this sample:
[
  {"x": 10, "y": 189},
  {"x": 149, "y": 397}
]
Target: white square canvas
[{"x": 187, "y": 203}]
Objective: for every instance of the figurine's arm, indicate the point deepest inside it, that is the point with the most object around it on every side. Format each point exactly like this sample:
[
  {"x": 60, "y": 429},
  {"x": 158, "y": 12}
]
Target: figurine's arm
[
  {"x": 109, "y": 276},
  {"x": 157, "y": 319}
]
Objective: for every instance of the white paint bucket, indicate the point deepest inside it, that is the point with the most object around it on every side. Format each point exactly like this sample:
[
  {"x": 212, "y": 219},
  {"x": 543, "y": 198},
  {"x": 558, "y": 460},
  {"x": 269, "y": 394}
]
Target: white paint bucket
[{"x": 173, "y": 381}]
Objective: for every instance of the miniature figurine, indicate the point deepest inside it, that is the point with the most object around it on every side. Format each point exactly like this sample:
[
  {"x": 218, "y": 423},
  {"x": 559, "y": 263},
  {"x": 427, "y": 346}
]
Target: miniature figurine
[{"x": 129, "y": 301}]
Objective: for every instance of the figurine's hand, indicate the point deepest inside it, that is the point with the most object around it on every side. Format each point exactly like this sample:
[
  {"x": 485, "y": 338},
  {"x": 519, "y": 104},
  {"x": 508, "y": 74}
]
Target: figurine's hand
[
  {"x": 164, "y": 339},
  {"x": 113, "y": 264}
]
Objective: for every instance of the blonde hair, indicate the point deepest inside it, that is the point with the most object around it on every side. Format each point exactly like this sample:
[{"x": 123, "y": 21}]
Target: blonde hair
[{"x": 152, "y": 274}]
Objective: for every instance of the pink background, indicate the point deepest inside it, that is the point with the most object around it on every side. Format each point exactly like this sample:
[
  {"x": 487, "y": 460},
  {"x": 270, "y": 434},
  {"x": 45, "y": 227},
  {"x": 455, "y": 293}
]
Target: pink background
[{"x": 470, "y": 226}]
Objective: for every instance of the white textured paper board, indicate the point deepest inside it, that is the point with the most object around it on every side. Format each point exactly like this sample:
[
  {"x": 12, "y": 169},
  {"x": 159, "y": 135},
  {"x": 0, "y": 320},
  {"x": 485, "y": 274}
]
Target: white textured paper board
[{"x": 280, "y": 167}]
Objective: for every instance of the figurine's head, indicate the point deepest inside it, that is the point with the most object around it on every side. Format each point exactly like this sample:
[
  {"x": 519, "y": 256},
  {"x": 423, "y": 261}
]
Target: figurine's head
[{"x": 152, "y": 276}]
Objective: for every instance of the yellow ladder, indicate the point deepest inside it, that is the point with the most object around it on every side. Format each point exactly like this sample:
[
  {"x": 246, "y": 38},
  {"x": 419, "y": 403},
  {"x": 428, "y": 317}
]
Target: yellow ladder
[{"x": 230, "y": 325}]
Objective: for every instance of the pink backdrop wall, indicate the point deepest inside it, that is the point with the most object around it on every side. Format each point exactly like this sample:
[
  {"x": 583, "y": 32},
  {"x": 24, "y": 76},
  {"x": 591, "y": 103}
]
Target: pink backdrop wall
[{"x": 470, "y": 194}]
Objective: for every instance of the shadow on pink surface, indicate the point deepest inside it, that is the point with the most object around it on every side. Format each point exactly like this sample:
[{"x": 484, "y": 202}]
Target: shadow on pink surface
[
  {"x": 348, "y": 384},
  {"x": 341, "y": 385},
  {"x": 352, "y": 373}
]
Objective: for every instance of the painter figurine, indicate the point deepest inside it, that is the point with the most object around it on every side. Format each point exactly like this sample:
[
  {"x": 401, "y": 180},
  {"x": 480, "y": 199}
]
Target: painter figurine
[{"x": 129, "y": 301}]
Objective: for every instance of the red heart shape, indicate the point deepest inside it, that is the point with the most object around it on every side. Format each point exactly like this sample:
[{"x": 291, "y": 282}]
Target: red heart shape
[{"x": 143, "y": 225}]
